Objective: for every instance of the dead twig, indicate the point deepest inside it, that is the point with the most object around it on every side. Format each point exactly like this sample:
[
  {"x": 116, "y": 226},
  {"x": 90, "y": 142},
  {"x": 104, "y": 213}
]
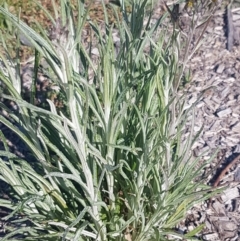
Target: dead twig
[
  {"x": 222, "y": 174},
  {"x": 225, "y": 170}
]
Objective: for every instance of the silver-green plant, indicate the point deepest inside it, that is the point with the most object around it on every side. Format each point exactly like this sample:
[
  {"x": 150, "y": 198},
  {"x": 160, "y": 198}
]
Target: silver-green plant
[{"x": 113, "y": 165}]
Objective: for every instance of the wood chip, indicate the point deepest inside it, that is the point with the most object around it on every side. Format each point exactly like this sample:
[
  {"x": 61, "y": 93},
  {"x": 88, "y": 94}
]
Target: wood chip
[
  {"x": 230, "y": 30},
  {"x": 220, "y": 68},
  {"x": 225, "y": 112},
  {"x": 211, "y": 236},
  {"x": 236, "y": 127},
  {"x": 229, "y": 194}
]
